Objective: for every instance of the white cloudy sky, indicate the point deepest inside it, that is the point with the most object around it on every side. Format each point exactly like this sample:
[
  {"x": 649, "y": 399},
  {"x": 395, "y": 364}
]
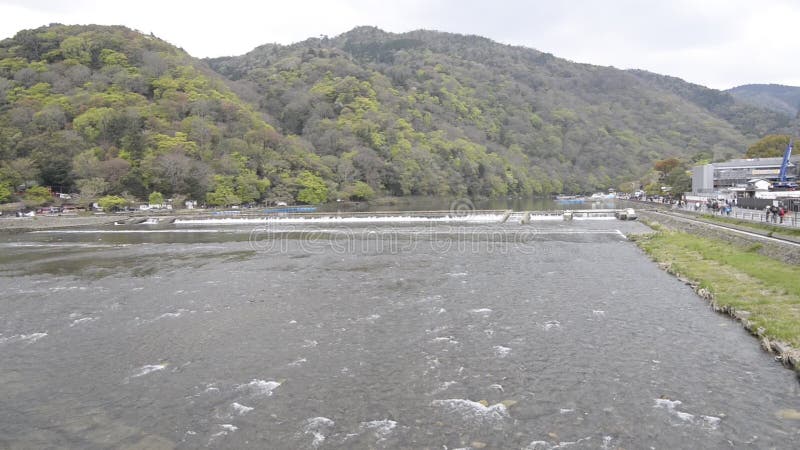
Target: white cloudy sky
[{"x": 716, "y": 43}]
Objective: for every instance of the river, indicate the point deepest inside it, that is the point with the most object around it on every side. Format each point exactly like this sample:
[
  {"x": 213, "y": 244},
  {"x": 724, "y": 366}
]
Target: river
[{"x": 415, "y": 335}]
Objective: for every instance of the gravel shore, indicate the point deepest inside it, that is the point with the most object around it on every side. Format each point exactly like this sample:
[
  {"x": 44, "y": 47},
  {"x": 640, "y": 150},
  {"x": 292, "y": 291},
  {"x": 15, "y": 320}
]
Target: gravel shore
[{"x": 48, "y": 222}]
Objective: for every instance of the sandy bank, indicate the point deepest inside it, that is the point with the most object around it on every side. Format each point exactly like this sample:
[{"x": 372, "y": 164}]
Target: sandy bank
[{"x": 13, "y": 224}]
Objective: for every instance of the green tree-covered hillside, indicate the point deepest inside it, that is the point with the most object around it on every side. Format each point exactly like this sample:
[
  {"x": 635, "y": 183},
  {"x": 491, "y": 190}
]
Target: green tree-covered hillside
[
  {"x": 429, "y": 112},
  {"x": 108, "y": 111}
]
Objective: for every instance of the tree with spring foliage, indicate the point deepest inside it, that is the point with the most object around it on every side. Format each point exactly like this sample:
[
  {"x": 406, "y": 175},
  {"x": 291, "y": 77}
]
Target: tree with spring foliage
[
  {"x": 771, "y": 146},
  {"x": 37, "y": 196},
  {"x": 313, "y": 189},
  {"x": 223, "y": 193},
  {"x": 156, "y": 198},
  {"x": 112, "y": 203},
  {"x": 360, "y": 191},
  {"x": 5, "y": 193}
]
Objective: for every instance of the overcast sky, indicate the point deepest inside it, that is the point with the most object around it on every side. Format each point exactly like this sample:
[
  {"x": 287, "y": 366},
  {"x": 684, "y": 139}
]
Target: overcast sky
[{"x": 716, "y": 43}]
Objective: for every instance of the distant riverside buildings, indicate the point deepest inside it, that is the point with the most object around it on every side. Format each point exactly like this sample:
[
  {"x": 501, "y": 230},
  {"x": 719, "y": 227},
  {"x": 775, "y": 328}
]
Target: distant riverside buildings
[{"x": 737, "y": 173}]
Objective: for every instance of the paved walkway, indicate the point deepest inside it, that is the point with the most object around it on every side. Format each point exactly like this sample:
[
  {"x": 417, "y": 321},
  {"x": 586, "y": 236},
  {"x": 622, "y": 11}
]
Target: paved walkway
[{"x": 791, "y": 220}]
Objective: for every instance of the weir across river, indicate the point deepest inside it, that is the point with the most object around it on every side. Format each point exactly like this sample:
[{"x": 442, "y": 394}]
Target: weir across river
[{"x": 453, "y": 216}]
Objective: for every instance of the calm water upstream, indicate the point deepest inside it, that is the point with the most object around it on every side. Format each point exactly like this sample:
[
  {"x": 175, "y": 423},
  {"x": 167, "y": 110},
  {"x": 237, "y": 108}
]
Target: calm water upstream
[{"x": 360, "y": 336}]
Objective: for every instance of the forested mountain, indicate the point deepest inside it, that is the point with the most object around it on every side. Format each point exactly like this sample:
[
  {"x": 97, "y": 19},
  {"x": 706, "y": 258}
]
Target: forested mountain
[
  {"x": 750, "y": 118},
  {"x": 108, "y": 110},
  {"x": 775, "y": 97},
  {"x": 401, "y": 101}
]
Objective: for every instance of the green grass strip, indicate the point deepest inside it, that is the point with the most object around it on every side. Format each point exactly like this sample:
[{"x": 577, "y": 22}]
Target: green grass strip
[
  {"x": 762, "y": 226},
  {"x": 737, "y": 277}
]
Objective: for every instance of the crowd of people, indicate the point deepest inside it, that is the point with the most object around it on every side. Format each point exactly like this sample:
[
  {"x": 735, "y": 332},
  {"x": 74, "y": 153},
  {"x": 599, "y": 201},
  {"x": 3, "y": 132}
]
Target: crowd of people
[
  {"x": 773, "y": 213},
  {"x": 718, "y": 206},
  {"x": 776, "y": 213}
]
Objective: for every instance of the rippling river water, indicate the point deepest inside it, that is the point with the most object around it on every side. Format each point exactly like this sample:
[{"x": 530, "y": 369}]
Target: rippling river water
[{"x": 413, "y": 336}]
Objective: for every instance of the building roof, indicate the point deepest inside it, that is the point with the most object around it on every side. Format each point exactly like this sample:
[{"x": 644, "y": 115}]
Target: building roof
[{"x": 753, "y": 163}]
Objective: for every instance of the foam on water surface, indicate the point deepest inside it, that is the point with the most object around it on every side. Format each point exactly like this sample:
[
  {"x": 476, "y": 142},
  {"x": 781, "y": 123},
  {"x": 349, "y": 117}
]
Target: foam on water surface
[
  {"x": 226, "y": 429},
  {"x": 545, "y": 445},
  {"x": 472, "y": 218},
  {"x": 370, "y": 318},
  {"x": 167, "y": 230},
  {"x": 31, "y": 338},
  {"x": 259, "y": 387},
  {"x": 240, "y": 409},
  {"x": 82, "y": 320},
  {"x": 709, "y": 422},
  {"x": 209, "y": 388},
  {"x": 319, "y": 428},
  {"x": 551, "y": 324},
  {"x": 381, "y": 428},
  {"x": 148, "y": 369},
  {"x": 171, "y": 315},
  {"x": 26, "y": 338},
  {"x": 475, "y": 412},
  {"x": 667, "y": 403},
  {"x": 500, "y": 351}
]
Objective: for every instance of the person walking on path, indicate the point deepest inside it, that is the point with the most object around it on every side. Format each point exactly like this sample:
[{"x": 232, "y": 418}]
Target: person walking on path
[
  {"x": 767, "y": 210},
  {"x": 781, "y": 213}
]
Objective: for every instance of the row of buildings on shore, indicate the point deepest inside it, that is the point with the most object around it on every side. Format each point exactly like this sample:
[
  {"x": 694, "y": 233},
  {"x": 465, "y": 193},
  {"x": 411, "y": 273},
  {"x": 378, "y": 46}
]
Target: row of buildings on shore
[{"x": 749, "y": 181}]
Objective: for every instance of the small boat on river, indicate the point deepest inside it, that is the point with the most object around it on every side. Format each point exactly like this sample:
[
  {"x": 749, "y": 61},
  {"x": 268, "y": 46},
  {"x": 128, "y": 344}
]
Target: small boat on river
[
  {"x": 291, "y": 209},
  {"x": 570, "y": 199}
]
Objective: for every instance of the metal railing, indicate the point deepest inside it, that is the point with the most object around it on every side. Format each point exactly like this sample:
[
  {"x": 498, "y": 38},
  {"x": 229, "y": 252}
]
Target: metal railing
[{"x": 790, "y": 219}]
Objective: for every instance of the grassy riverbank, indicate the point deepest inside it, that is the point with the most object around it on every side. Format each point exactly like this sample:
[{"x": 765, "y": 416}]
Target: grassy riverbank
[{"x": 738, "y": 278}]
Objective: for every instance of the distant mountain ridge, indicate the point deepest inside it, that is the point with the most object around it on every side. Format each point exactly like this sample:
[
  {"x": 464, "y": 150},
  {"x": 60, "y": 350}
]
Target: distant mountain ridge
[
  {"x": 775, "y": 97},
  {"x": 108, "y": 110}
]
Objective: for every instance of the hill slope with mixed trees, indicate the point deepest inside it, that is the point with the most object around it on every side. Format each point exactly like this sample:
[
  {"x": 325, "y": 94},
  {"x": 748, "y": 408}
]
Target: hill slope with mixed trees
[
  {"x": 775, "y": 97},
  {"x": 108, "y": 110},
  {"x": 392, "y": 99}
]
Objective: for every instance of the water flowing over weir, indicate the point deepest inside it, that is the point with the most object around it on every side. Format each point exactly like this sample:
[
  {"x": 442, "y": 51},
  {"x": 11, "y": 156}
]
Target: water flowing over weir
[{"x": 412, "y": 334}]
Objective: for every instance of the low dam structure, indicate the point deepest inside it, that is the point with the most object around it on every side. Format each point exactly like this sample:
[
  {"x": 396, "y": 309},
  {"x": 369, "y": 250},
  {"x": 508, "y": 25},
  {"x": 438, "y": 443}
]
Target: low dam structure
[{"x": 387, "y": 217}]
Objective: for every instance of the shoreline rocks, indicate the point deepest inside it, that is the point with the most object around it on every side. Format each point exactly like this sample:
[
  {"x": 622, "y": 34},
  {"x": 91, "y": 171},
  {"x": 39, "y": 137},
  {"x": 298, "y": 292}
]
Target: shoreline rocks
[{"x": 785, "y": 353}]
